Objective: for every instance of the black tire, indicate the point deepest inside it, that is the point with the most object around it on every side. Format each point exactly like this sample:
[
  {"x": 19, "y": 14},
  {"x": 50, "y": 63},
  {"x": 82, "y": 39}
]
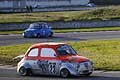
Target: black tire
[
  {"x": 38, "y": 35},
  {"x": 25, "y": 72},
  {"x": 35, "y": 35},
  {"x": 64, "y": 73},
  {"x": 25, "y": 36}
]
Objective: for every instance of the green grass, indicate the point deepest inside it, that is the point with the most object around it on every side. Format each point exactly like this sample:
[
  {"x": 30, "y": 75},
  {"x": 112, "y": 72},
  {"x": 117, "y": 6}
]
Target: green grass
[
  {"x": 9, "y": 52},
  {"x": 106, "y": 13},
  {"x": 104, "y": 53},
  {"x": 88, "y": 29},
  {"x": 10, "y": 32},
  {"x": 69, "y": 30}
]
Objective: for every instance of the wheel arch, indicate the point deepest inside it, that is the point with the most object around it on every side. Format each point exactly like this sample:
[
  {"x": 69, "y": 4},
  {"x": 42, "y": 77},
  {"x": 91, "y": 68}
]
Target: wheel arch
[
  {"x": 68, "y": 68},
  {"x": 25, "y": 65}
]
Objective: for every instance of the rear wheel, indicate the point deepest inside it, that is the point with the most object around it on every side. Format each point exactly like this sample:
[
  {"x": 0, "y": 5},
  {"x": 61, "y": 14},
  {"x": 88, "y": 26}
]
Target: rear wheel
[
  {"x": 64, "y": 73},
  {"x": 25, "y": 72}
]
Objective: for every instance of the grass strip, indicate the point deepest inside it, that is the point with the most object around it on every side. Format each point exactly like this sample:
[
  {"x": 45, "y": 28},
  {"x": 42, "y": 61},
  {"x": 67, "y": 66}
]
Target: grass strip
[{"x": 106, "y": 13}]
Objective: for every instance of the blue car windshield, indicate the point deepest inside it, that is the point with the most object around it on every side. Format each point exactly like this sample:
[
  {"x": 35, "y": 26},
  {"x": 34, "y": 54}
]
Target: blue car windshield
[{"x": 66, "y": 50}]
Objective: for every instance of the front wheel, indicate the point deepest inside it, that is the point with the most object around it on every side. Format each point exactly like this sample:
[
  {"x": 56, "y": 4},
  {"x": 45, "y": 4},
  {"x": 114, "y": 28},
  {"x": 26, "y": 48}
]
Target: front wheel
[
  {"x": 64, "y": 73},
  {"x": 24, "y": 35}
]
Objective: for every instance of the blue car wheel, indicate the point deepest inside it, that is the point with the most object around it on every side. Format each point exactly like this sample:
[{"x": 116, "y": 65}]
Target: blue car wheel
[
  {"x": 25, "y": 35},
  {"x": 38, "y": 35},
  {"x": 35, "y": 35}
]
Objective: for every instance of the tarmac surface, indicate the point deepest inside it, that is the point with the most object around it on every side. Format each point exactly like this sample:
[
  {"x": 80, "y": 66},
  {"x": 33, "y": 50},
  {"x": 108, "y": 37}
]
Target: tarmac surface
[
  {"x": 59, "y": 37},
  {"x": 9, "y": 73}
]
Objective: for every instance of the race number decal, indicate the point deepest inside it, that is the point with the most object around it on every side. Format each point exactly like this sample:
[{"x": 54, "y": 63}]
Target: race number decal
[
  {"x": 46, "y": 66},
  {"x": 52, "y": 67}
]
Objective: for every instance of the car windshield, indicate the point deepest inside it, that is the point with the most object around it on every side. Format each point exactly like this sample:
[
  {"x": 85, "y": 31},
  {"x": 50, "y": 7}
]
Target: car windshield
[{"x": 66, "y": 50}]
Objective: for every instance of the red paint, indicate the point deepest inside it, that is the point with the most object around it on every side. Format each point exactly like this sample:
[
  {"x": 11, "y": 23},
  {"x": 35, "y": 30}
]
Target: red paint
[{"x": 75, "y": 58}]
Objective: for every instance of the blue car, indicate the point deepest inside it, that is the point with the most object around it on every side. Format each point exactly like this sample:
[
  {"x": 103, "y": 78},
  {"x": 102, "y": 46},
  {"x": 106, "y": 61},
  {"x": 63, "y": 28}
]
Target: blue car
[{"x": 39, "y": 29}]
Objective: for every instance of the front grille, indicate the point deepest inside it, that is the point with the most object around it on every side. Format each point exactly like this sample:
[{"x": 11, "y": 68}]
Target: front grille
[{"x": 85, "y": 66}]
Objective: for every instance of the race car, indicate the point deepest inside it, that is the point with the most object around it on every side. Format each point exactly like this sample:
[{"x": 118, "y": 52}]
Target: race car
[
  {"x": 58, "y": 59},
  {"x": 39, "y": 29}
]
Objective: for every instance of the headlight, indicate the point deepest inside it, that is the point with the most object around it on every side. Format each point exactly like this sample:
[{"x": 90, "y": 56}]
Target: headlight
[{"x": 23, "y": 34}]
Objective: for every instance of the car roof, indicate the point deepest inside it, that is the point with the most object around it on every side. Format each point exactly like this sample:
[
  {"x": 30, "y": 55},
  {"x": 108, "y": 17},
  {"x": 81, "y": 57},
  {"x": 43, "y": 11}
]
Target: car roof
[
  {"x": 37, "y": 24},
  {"x": 47, "y": 44}
]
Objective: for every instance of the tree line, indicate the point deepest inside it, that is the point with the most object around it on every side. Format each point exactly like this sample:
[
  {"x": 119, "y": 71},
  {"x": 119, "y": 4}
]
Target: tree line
[{"x": 106, "y": 2}]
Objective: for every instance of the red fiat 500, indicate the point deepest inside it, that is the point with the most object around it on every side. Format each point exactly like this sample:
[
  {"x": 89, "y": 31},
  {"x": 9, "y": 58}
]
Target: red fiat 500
[{"x": 54, "y": 59}]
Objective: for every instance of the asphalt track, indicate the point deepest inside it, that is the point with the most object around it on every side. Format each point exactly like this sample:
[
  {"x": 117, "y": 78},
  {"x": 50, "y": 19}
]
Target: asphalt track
[
  {"x": 9, "y": 73},
  {"x": 59, "y": 37}
]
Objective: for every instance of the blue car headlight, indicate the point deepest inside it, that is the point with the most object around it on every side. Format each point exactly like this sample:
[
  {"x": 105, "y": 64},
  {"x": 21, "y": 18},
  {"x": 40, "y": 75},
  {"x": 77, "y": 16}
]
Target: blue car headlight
[{"x": 23, "y": 34}]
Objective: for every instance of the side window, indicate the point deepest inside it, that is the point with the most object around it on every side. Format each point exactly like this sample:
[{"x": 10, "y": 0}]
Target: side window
[
  {"x": 47, "y": 52},
  {"x": 33, "y": 52}
]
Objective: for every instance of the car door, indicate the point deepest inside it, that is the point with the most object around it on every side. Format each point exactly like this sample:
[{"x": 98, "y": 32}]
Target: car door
[
  {"x": 41, "y": 30},
  {"x": 49, "y": 62},
  {"x": 45, "y": 30}
]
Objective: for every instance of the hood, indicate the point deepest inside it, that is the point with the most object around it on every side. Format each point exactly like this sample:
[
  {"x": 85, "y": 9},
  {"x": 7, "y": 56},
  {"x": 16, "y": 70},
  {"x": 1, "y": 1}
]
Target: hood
[{"x": 74, "y": 58}]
